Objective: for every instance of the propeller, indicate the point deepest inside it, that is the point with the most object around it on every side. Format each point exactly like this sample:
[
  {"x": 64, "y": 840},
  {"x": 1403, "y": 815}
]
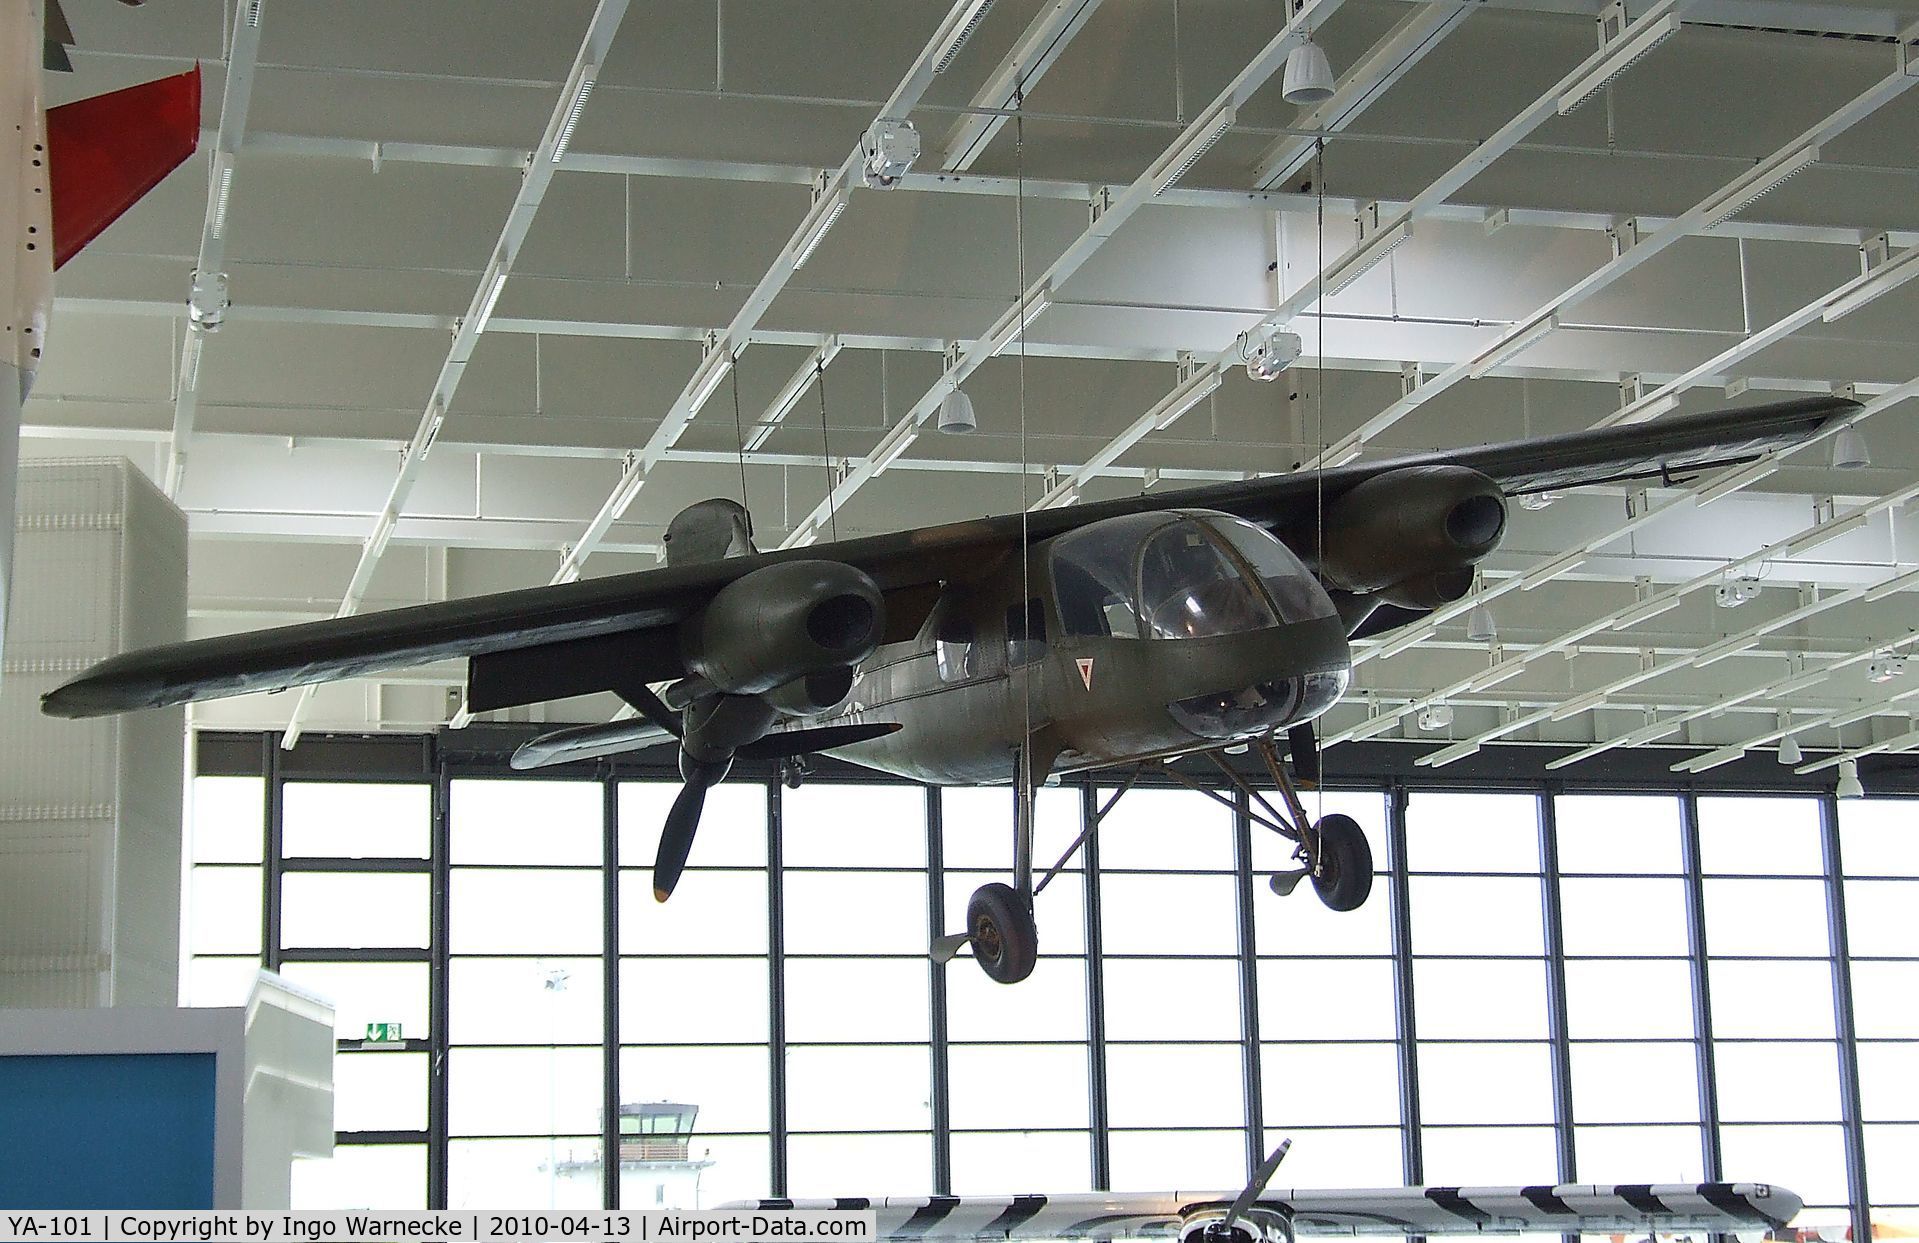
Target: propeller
[
  {"x": 683, "y": 821},
  {"x": 1254, "y": 1189}
]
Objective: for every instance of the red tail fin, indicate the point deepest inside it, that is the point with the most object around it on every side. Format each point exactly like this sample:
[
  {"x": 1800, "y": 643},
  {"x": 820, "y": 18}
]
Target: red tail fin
[{"x": 104, "y": 153}]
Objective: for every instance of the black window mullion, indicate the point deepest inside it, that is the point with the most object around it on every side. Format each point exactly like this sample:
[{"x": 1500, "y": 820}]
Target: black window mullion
[
  {"x": 1102, "y": 1153},
  {"x": 440, "y": 991},
  {"x": 936, "y": 983},
  {"x": 1701, "y": 990},
  {"x": 1850, "y": 1110},
  {"x": 1411, "y": 1152},
  {"x": 610, "y": 973},
  {"x": 776, "y": 979},
  {"x": 1553, "y": 912},
  {"x": 273, "y": 862},
  {"x": 1255, "y": 1107}
]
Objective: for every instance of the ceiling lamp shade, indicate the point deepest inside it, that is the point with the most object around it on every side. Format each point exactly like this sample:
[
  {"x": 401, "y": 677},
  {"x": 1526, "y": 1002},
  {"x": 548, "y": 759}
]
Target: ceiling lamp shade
[
  {"x": 1309, "y": 75},
  {"x": 1789, "y": 752},
  {"x": 1849, "y": 450},
  {"x": 1849, "y": 786},
  {"x": 956, "y": 414},
  {"x": 1480, "y": 627}
]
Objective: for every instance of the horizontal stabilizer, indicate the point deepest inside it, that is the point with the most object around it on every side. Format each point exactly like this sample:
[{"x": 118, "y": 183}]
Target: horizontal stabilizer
[
  {"x": 104, "y": 153},
  {"x": 1640, "y": 1208}
]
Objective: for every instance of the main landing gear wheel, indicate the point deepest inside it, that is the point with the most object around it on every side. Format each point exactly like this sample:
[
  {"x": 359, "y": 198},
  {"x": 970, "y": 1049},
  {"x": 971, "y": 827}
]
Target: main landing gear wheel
[
  {"x": 1000, "y": 928},
  {"x": 1342, "y": 863}
]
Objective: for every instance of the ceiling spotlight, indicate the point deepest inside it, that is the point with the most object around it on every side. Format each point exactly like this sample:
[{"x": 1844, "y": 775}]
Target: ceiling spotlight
[
  {"x": 1309, "y": 75},
  {"x": 1849, "y": 450},
  {"x": 1435, "y": 717},
  {"x": 1885, "y": 668},
  {"x": 1789, "y": 752},
  {"x": 1480, "y": 627},
  {"x": 956, "y": 414},
  {"x": 1537, "y": 500},
  {"x": 1268, "y": 352},
  {"x": 1735, "y": 593},
  {"x": 1849, "y": 786},
  {"x": 889, "y": 149}
]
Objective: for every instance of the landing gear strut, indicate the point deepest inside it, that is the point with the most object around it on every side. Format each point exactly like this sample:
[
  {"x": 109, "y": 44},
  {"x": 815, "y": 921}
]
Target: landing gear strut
[
  {"x": 1332, "y": 850},
  {"x": 999, "y": 918}
]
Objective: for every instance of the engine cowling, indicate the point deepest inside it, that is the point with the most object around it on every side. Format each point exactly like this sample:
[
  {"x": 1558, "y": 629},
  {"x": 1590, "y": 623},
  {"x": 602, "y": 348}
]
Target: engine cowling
[
  {"x": 813, "y": 694},
  {"x": 1411, "y": 527},
  {"x": 782, "y": 623},
  {"x": 1428, "y": 591}
]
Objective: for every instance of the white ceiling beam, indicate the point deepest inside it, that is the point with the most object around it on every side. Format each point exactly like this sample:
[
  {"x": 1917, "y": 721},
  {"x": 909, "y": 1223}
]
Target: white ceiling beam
[
  {"x": 979, "y": 185},
  {"x": 1841, "y": 301},
  {"x": 1395, "y": 226},
  {"x": 1108, "y": 215},
  {"x": 535, "y": 178},
  {"x": 1051, "y": 29},
  {"x": 1630, "y": 615},
  {"x": 1418, "y": 33},
  {"x": 1528, "y": 330},
  {"x": 1796, "y": 680},
  {"x": 236, "y": 99},
  {"x": 830, "y": 197}
]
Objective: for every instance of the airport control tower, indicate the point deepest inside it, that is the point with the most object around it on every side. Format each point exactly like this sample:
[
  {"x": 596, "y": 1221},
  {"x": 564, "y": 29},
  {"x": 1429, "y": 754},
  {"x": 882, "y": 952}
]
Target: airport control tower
[{"x": 657, "y": 1168}]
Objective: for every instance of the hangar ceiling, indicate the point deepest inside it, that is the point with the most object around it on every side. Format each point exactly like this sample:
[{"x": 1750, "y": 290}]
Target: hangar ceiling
[{"x": 473, "y": 347}]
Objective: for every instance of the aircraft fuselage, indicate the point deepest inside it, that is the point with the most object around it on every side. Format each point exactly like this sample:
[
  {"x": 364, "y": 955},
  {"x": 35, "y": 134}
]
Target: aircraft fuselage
[{"x": 979, "y": 677}]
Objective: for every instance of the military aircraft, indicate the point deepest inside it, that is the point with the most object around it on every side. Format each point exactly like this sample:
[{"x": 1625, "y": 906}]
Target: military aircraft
[
  {"x": 1122, "y": 632},
  {"x": 1257, "y": 1215},
  {"x": 69, "y": 173}
]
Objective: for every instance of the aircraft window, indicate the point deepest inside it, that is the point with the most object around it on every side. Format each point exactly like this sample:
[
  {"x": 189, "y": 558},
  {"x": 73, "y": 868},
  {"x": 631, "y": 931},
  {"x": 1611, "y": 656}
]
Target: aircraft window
[
  {"x": 1189, "y": 588},
  {"x": 1026, "y": 633},
  {"x": 1292, "y": 586},
  {"x": 1093, "y": 571},
  {"x": 954, "y": 648}
]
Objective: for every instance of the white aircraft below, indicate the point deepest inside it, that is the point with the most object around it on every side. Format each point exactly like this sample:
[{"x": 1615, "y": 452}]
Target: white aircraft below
[{"x": 1256, "y": 1215}]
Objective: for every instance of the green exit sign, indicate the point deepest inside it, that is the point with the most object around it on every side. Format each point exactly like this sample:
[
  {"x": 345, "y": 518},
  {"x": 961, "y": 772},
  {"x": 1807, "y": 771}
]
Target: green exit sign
[{"x": 383, "y": 1033}]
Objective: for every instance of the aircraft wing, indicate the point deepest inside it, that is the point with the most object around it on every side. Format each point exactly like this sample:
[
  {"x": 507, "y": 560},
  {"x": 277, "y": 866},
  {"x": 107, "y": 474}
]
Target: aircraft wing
[
  {"x": 1720, "y": 1208},
  {"x": 578, "y": 638}
]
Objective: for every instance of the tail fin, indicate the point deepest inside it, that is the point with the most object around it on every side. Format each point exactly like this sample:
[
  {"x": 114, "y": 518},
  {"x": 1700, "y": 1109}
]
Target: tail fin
[{"x": 104, "y": 153}]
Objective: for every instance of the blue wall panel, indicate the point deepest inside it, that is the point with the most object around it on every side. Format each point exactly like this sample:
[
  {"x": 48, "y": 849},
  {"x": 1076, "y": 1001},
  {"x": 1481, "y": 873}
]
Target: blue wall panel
[{"x": 106, "y": 1131}]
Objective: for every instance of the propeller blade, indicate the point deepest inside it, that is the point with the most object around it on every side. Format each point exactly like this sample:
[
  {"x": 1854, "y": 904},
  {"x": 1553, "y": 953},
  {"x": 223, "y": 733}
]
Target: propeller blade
[
  {"x": 676, "y": 839},
  {"x": 1256, "y": 1188},
  {"x": 947, "y": 948},
  {"x": 586, "y": 742},
  {"x": 789, "y": 743},
  {"x": 1305, "y": 748}
]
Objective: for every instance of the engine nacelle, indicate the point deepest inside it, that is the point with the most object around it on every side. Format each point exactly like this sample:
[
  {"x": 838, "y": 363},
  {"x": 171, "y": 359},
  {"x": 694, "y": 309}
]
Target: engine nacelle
[
  {"x": 1410, "y": 526},
  {"x": 782, "y": 622},
  {"x": 1428, "y": 591},
  {"x": 813, "y": 694}
]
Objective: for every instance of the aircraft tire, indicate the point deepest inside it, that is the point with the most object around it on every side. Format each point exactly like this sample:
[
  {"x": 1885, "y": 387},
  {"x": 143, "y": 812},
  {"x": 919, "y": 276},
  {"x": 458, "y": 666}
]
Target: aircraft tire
[
  {"x": 1004, "y": 938},
  {"x": 1343, "y": 876}
]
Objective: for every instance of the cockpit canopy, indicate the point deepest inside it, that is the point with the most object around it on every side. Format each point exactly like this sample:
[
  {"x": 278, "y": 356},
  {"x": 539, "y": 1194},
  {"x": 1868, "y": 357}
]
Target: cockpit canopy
[{"x": 1180, "y": 575}]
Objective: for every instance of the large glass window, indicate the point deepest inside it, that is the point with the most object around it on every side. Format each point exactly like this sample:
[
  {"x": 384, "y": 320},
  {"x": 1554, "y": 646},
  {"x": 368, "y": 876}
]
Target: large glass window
[
  {"x": 1771, "y": 986},
  {"x": 803, "y": 997},
  {"x": 1879, "y": 849}
]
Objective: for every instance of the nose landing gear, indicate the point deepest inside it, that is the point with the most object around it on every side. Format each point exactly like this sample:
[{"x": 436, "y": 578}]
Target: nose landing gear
[{"x": 1332, "y": 850}]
